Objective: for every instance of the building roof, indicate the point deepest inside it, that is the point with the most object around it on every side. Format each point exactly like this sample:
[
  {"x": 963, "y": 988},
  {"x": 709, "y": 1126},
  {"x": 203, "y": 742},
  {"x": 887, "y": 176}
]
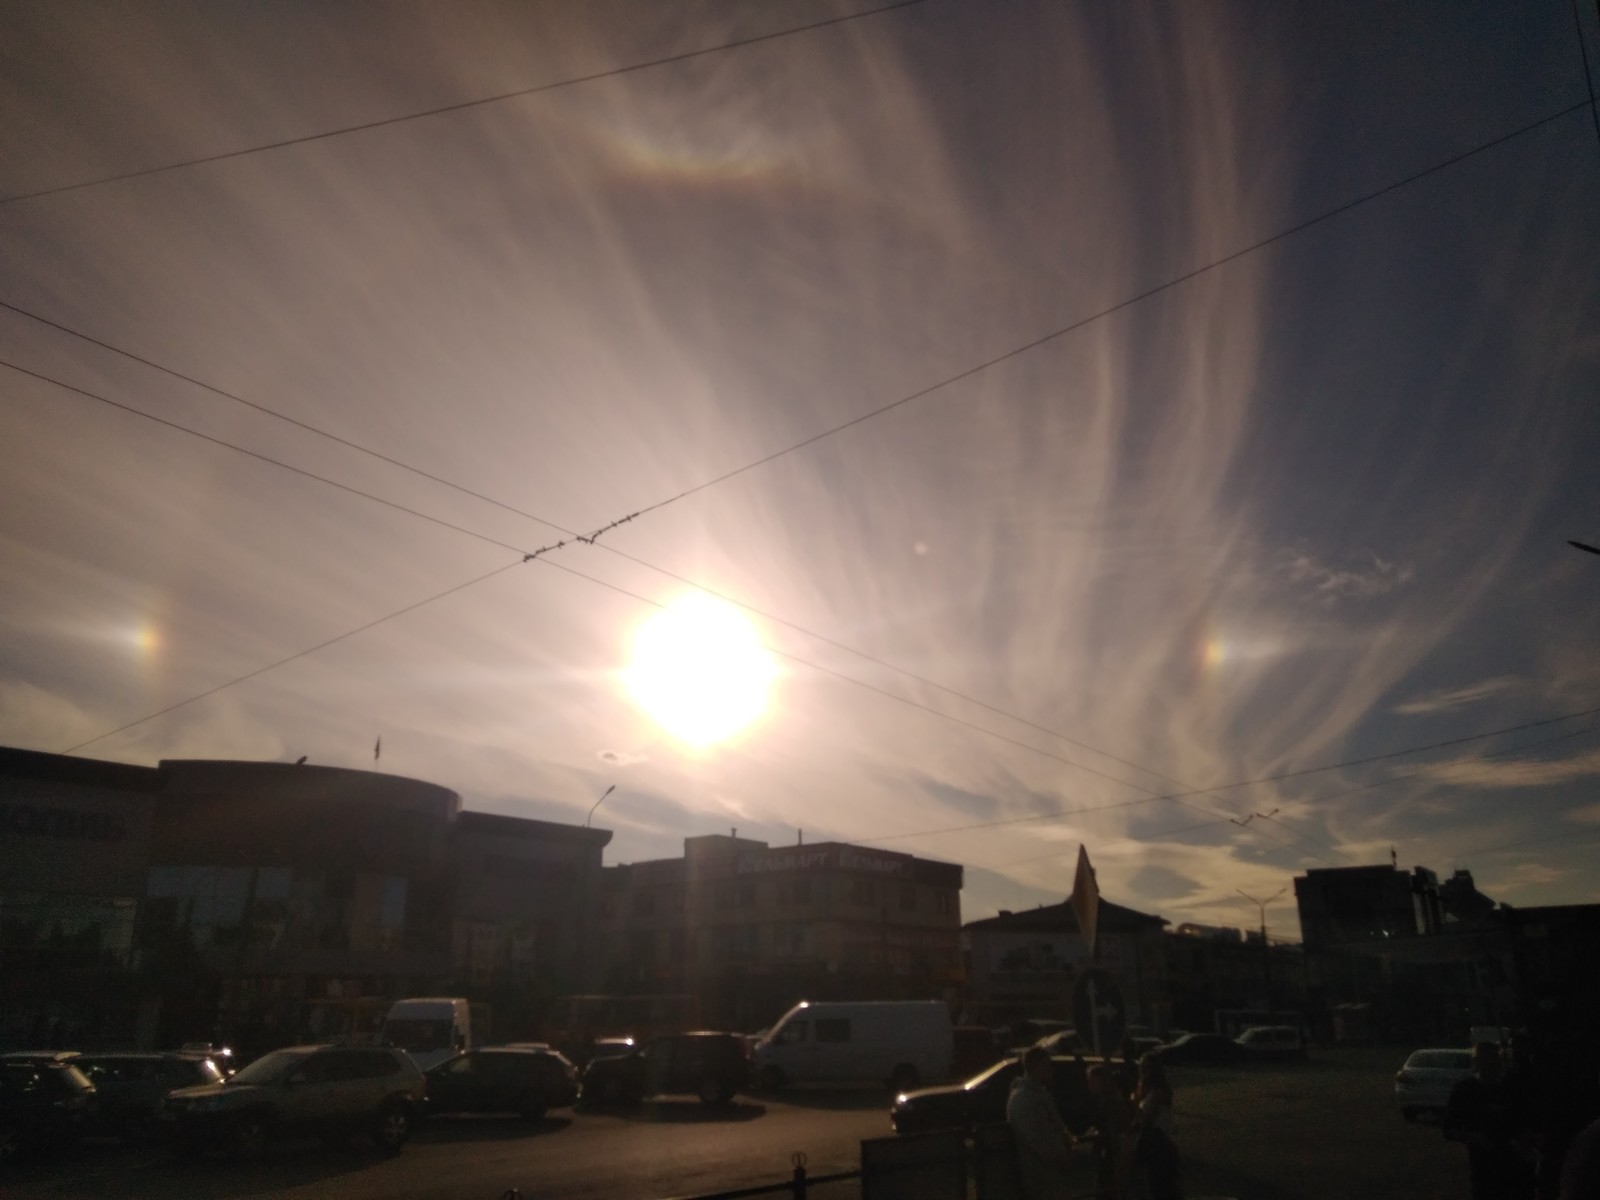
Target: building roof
[
  {"x": 85, "y": 772},
  {"x": 1059, "y": 918},
  {"x": 500, "y": 826}
]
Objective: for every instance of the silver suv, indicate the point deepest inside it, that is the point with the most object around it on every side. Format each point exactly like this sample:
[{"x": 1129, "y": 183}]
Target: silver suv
[
  {"x": 1272, "y": 1042},
  {"x": 326, "y": 1091}
]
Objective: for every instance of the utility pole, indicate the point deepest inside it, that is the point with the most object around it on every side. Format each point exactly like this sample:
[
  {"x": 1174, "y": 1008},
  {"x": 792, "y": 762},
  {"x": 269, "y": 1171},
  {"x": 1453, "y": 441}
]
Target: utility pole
[{"x": 1266, "y": 947}]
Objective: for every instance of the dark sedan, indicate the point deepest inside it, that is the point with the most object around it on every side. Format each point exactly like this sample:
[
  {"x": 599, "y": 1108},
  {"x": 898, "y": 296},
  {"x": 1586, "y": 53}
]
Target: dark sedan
[
  {"x": 981, "y": 1100},
  {"x": 131, "y": 1088},
  {"x": 1200, "y": 1049},
  {"x": 712, "y": 1066},
  {"x": 43, "y": 1105},
  {"x": 503, "y": 1079}
]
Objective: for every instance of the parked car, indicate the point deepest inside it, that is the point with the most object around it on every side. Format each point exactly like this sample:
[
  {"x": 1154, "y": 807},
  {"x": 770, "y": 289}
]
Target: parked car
[
  {"x": 898, "y": 1042},
  {"x": 223, "y": 1056},
  {"x": 981, "y": 1100},
  {"x": 712, "y": 1066},
  {"x": 327, "y": 1091},
  {"x": 1268, "y": 1042},
  {"x": 54, "y": 1056},
  {"x": 131, "y": 1088},
  {"x": 43, "y": 1105},
  {"x": 1063, "y": 1041},
  {"x": 503, "y": 1079},
  {"x": 1423, "y": 1084},
  {"x": 1201, "y": 1049},
  {"x": 611, "y": 1047}
]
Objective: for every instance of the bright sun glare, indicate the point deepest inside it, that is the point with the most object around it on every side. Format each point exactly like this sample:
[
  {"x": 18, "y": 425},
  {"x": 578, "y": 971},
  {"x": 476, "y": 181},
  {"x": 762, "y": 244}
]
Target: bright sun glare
[{"x": 699, "y": 670}]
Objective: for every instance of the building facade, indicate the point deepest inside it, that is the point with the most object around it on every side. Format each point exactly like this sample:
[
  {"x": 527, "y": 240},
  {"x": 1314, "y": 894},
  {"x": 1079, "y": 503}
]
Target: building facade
[
  {"x": 1025, "y": 964},
  {"x": 269, "y": 902},
  {"x": 744, "y": 930}
]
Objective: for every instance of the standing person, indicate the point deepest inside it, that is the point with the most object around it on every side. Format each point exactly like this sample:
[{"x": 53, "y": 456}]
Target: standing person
[
  {"x": 1155, "y": 1153},
  {"x": 1044, "y": 1147},
  {"x": 1482, "y": 1113},
  {"x": 1114, "y": 1129}
]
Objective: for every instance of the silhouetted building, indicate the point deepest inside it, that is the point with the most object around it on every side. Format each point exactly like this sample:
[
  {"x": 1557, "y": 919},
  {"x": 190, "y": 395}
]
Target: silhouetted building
[
  {"x": 269, "y": 902},
  {"x": 1343, "y": 905},
  {"x": 1024, "y": 964},
  {"x": 746, "y": 930}
]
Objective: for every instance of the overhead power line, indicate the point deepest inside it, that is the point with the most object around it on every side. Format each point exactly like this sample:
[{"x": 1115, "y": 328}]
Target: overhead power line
[
  {"x": 1148, "y": 293},
  {"x": 904, "y": 400},
  {"x": 529, "y": 556},
  {"x": 322, "y": 645},
  {"x": 1588, "y": 78},
  {"x": 1222, "y": 787},
  {"x": 1149, "y": 797},
  {"x": 464, "y": 105}
]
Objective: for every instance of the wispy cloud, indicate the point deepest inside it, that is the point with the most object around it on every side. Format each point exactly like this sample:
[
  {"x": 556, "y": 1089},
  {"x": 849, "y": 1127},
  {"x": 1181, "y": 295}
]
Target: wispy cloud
[
  {"x": 1478, "y": 772},
  {"x": 1367, "y": 577},
  {"x": 621, "y": 758},
  {"x": 1446, "y": 699}
]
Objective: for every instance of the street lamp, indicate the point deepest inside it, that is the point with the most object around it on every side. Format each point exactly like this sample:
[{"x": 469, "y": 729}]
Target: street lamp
[
  {"x": 1266, "y": 947},
  {"x": 603, "y": 795},
  {"x": 1262, "y": 905}
]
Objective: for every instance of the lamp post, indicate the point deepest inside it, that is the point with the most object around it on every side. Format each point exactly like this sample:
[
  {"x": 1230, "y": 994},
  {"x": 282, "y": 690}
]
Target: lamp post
[
  {"x": 1266, "y": 947},
  {"x": 596, "y": 804}
]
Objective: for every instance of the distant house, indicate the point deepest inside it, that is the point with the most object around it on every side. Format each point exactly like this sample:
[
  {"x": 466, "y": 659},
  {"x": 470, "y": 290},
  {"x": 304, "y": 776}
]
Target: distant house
[{"x": 1024, "y": 964}]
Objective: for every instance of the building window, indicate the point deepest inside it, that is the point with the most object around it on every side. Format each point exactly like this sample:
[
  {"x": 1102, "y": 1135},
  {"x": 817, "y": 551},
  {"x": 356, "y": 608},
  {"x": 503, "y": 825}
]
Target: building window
[
  {"x": 864, "y": 891},
  {"x": 943, "y": 903},
  {"x": 724, "y": 897},
  {"x": 747, "y": 895},
  {"x": 642, "y": 946},
  {"x": 644, "y": 904},
  {"x": 908, "y": 897},
  {"x": 800, "y": 890}
]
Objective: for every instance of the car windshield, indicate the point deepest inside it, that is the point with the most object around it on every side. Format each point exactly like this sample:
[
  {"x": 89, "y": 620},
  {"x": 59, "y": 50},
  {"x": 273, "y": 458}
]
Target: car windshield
[
  {"x": 417, "y": 1035},
  {"x": 1457, "y": 1060},
  {"x": 1004, "y": 1066},
  {"x": 270, "y": 1068}
]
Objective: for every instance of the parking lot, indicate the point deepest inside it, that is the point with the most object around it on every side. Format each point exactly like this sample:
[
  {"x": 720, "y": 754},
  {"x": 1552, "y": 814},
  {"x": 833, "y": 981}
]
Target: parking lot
[
  {"x": 1327, "y": 1129},
  {"x": 1320, "y": 1130}
]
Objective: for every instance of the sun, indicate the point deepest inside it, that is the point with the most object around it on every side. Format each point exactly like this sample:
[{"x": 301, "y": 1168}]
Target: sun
[{"x": 699, "y": 670}]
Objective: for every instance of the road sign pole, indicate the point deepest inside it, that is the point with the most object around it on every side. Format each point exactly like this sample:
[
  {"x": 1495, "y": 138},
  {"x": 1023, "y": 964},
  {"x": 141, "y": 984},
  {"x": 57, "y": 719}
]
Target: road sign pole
[{"x": 1094, "y": 1016}]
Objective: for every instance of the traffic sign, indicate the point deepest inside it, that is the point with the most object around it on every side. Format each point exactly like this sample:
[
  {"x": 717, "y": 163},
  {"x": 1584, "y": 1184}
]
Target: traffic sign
[{"x": 1099, "y": 1011}]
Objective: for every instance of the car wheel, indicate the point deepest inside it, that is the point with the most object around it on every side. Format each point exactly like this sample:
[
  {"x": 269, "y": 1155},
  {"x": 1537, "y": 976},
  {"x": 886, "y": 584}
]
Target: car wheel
[
  {"x": 392, "y": 1128},
  {"x": 905, "y": 1078},
  {"x": 1409, "y": 1113},
  {"x": 531, "y": 1108},
  {"x": 711, "y": 1091},
  {"x": 10, "y": 1144},
  {"x": 771, "y": 1079},
  {"x": 250, "y": 1136}
]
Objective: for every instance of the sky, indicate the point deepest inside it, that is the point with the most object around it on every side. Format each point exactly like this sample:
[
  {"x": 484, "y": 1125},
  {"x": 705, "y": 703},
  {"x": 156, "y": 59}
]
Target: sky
[{"x": 1139, "y": 497}]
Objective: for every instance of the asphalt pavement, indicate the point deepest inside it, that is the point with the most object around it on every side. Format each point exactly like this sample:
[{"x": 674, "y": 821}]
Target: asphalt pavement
[{"x": 667, "y": 1148}]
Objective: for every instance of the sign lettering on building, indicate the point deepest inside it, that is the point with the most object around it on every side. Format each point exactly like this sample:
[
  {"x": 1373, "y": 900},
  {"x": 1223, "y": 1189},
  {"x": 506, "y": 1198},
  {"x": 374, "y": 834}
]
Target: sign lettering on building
[
  {"x": 28, "y": 820},
  {"x": 783, "y": 860},
  {"x": 876, "y": 864}
]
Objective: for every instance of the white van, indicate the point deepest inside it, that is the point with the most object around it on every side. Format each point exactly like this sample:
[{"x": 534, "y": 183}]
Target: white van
[
  {"x": 901, "y": 1042},
  {"x": 429, "y": 1028}
]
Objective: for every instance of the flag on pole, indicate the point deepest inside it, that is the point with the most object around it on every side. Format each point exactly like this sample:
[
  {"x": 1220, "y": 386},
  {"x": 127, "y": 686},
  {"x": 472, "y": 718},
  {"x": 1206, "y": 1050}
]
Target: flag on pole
[{"x": 1085, "y": 898}]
